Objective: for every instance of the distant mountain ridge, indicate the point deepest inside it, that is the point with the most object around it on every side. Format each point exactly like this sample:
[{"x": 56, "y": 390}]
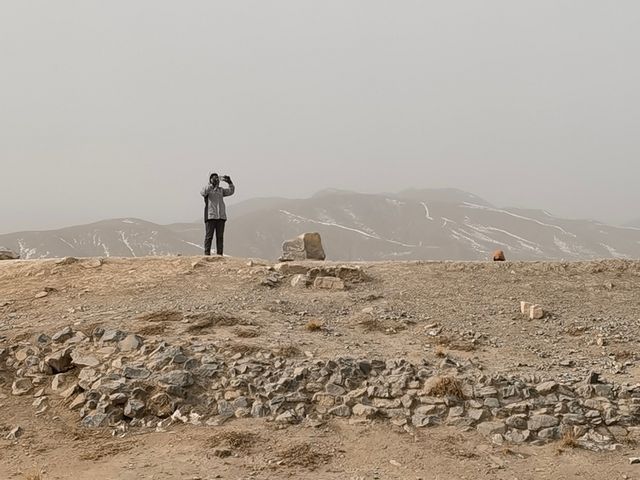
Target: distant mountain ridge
[{"x": 429, "y": 224}]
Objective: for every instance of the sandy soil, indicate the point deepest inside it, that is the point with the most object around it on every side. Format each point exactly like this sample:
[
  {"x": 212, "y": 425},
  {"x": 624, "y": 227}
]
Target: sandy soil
[{"x": 416, "y": 310}]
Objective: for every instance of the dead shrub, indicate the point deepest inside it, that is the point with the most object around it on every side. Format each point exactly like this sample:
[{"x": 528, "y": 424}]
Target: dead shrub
[
  {"x": 313, "y": 326},
  {"x": 161, "y": 316},
  {"x": 238, "y": 441},
  {"x": 247, "y": 332},
  {"x": 569, "y": 440},
  {"x": 288, "y": 351},
  {"x": 441, "y": 351},
  {"x": 446, "y": 386},
  {"x": 372, "y": 325},
  {"x": 304, "y": 455}
]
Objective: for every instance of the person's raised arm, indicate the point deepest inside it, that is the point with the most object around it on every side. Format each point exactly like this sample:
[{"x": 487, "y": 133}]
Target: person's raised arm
[{"x": 230, "y": 190}]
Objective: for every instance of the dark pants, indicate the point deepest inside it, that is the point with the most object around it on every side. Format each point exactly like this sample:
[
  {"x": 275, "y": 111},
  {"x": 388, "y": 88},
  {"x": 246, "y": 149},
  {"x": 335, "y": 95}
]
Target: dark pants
[{"x": 216, "y": 226}]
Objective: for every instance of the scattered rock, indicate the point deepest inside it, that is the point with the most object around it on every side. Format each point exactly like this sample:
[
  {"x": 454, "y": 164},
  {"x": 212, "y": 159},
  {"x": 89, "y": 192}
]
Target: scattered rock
[
  {"x": 307, "y": 246},
  {"x": 7, "y": 254},
  {"x": 329, "y": 283},
  {"x": 14, "y": 434}
]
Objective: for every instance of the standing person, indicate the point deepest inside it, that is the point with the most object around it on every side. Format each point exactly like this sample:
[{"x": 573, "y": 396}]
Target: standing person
[{"x": 215, "y": 213}]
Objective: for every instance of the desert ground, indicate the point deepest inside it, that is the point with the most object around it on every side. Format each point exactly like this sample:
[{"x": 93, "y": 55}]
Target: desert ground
[{"x": 233, "y": 368}]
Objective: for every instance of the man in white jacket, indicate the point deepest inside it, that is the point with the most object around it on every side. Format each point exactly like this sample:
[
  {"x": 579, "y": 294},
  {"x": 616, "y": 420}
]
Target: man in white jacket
[{"x": 215, "y": 213}]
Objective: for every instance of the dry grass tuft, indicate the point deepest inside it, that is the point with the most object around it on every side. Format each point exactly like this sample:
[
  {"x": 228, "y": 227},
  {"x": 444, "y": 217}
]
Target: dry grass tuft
[
  {"x": 237, "y": 440},
  {"x": 441, "y": 351},
  {"x": 304, "y": 455},
  {"x": 569, "y": 440},
  {"x": 313, "y": 326},
  {"x": 288, "y": 351},
  {"x": 161, "y": 316},
  {"x": 372, "y": 325},
  {"x": 247, "y": 332},
  {"x": 447, "y": 386},
  {"x": 243, "y": 349},
  {"x": 34, "y": 475}
]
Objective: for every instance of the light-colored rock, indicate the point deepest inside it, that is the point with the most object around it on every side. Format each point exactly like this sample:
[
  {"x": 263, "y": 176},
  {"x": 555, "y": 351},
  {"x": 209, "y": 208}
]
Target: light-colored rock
[
  {"x": 300, "y": 281},
  {"x": 536, "y": 312},
  {"x": 488, "y": 429},
  {"x": 307, "y": 246},
  {"x": 329, "y": 283},
  {"x": 539, "y": 422},
  {"x": 525, "y": 307},
  {"x": 130, "y": 343},
  {"x": 366, "y": 411},
  {"x": 21, "y": 386},
  {"x": 7, "y": 254}
]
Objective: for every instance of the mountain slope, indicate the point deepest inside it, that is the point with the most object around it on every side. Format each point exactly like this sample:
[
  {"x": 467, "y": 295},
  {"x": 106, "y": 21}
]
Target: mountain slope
[{"x": 438, "y": 224}]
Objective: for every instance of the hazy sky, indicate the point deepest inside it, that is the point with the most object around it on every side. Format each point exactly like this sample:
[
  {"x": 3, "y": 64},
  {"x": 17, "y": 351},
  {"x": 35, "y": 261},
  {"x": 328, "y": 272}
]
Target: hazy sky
[{"x": 122, "y": 107}]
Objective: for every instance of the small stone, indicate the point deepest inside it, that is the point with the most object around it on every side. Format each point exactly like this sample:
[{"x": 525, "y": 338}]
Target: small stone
[
  {"x": 178, "y": 378},
  {"x": 525, "y": 307},
  {"x": 536, "y": 312},
  {"x": 130, "y": 343},
  {"x": 634, "y": 460},
  {"x": 366, "y": 411},
  {"x": 134, "y": 408},
  {"x": 112, "y": 336},
  {"x": 62, "y": 336},
  {"x": 21, "y": 386},
  {"x": 14, "y": 434},
  {"x": 300, "y": 281},
  {"x": 488, "y": 429},
  {"x": 81, "y": 360},
  {"x": 333, "y": 389},
  {"x": 547, "y": 388},
  {"x": 135, "y": 373},
  {"x": 41, "y": 294},
  {"x": 60, "y": 361},
  {"x": 539, "y": 422},
  {"x": 95, "y": 420},
  {"x": 329, "y": 283},
  {"x": 340, "y": 411}
]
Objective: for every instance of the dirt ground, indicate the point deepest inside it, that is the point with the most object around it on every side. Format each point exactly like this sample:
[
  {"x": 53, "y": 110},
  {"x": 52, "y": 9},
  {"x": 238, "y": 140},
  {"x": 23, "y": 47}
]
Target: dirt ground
[{"x": 415, "y": 310}]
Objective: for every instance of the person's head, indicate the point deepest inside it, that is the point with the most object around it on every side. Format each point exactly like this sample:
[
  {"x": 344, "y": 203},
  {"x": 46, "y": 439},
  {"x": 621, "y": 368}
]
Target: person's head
[{"x": 214, "y": 179}]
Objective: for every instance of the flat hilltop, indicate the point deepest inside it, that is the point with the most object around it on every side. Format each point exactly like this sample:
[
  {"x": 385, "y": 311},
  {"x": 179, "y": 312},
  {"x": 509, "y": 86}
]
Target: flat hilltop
[{"x": 209, "y": 367}]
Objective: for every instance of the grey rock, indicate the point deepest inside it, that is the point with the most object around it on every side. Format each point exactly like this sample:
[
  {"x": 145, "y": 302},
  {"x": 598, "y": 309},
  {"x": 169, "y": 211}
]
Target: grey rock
[
  {"x": 60, "y": 361},
  {"x": 552, "y": 433},
  {"x": 488, "y": 429},
  {"x": 112, "y": 336},
  {"x": 130, "y": 343},
  {"x": 307, "y": 246},
  {"x": 136, "y": 373},
  {"x": 517, "y": 421},
  {"x": 62, "y": 336},
  {"x": 419, "y": 420},
  {"x": 7, "y": 254},
  {"x": 15, "y": 432},
  {"x": 95, "y": 420},
  {"x": 21, "y": 386},
  {"x": 178, "y": 378},
  {"x": 366, "y": 411},
  {"x": 340, "y": 411},
  {"x": 547, "y": 388},
  {"x": 82, "y": 360},
  {"x": 539, "y": 422},
  {"x": 335, "y": 390},
  {"x": 134, "y": 408}
]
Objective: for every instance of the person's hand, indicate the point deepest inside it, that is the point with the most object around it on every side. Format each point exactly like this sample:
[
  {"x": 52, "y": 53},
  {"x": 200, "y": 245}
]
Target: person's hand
[{"x": 227, "y": 178}]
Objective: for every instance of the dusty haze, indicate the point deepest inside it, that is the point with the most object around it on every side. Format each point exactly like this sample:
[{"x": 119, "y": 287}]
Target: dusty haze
[{"x": 122, "y": 108}]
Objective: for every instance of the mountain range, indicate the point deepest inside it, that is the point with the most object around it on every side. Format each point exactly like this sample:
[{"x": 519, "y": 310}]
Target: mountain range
[{"x": 431, "y": 224}]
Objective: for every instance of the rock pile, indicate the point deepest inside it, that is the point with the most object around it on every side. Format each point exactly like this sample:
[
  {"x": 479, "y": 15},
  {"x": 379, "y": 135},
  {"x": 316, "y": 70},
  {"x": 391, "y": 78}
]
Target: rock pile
[
  {"x": 307, "y": 246},
  {"x": 119, "y": 379},
  {"x": 7, "y": 254}
]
